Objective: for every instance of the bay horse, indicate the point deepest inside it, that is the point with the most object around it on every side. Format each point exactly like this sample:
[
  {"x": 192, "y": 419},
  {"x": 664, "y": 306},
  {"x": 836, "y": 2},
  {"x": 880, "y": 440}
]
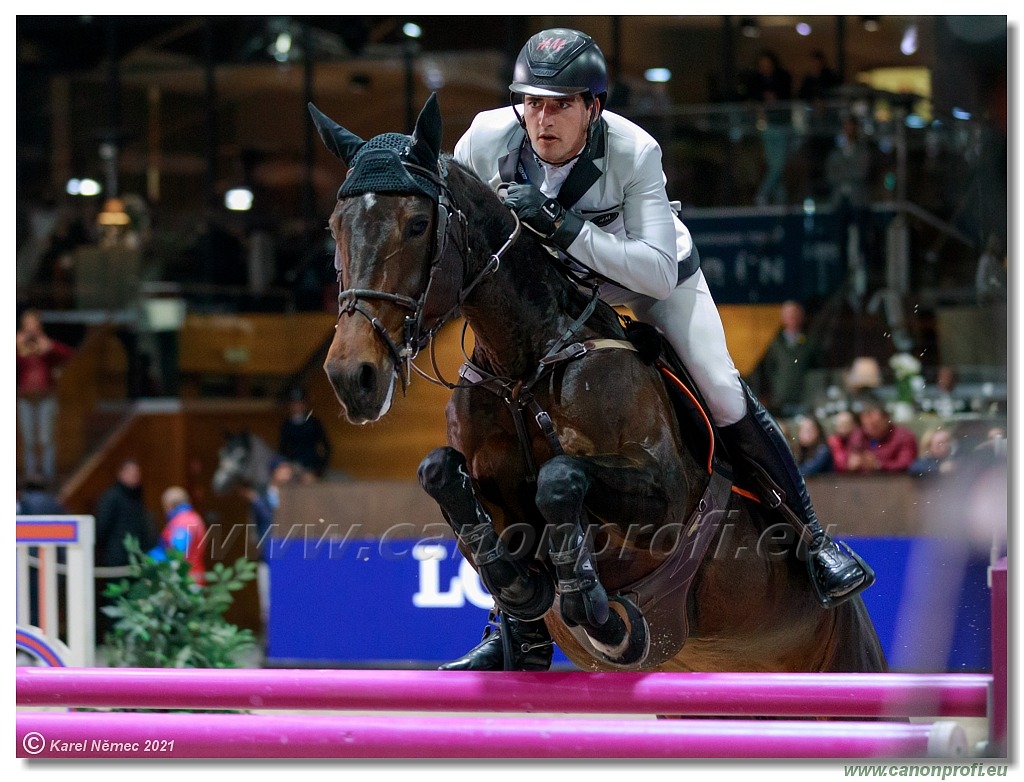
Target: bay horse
[{"x": 568, "y": 478}]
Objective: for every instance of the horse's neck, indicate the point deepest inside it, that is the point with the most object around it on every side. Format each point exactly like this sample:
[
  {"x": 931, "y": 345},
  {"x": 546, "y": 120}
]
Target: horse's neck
[
  {"x": 518, "y": 311},
  {"x": 511, "y": 330}
]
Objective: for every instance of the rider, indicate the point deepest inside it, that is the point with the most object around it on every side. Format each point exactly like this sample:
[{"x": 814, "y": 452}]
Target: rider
[{"x": 592, "y": 184}]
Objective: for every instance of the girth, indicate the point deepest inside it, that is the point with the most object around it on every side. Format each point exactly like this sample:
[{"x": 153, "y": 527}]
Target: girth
[{"x": 519, "y": 399}]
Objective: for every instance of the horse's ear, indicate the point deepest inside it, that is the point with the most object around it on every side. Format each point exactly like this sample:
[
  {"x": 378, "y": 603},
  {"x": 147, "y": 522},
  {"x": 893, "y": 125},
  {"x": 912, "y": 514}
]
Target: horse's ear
[
  {"x": 426, "y": 138},
  {"x": 341, "y": 143}
]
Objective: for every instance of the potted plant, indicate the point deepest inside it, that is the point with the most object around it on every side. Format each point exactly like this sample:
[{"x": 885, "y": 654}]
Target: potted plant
[{"x": 163, "y": 619}]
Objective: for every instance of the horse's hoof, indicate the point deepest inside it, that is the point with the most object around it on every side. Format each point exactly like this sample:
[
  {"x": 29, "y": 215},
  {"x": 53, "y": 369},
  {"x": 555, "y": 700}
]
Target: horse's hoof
[
  {"x": 632, "y": 649},
  {"x": 584, "y": 608}
]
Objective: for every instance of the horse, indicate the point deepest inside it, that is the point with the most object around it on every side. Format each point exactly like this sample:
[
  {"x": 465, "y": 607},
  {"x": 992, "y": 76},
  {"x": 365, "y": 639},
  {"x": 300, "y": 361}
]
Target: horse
[
  {"x": 569, "y": 479},
  {"x": 243, "y": 460}
]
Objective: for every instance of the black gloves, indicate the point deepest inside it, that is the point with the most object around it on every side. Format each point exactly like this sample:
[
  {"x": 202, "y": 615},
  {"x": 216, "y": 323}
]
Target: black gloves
[{"x": 544, "y": 215}]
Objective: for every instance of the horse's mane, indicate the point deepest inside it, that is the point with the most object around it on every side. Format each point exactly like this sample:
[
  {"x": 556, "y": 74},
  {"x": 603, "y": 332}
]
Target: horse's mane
[{"x": 528, "y": 257}]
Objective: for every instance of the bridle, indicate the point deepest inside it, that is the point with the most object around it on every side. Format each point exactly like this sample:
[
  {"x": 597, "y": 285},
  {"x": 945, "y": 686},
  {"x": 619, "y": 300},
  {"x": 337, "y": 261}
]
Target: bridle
[{"x": 446, "y": 288}]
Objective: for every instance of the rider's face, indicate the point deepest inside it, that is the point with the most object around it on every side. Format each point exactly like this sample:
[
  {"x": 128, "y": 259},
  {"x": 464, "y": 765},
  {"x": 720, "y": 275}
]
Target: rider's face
[{"x": 557, "y": 126}]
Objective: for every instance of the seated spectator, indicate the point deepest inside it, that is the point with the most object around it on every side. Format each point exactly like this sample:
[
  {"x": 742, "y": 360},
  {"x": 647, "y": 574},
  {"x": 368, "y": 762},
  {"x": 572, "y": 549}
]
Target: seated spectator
[
  {"x": 303, "y": 440},
  {"x": 843, "y": 425},
  {"x": 812, "y": 452},
  {"x": 864, "y": 375},
  {"x": 937, "y": 449},
  {"x": 879, "y": 445},
  {"x": 942, "y": 399},
  {"x": 184, "y": 531}
]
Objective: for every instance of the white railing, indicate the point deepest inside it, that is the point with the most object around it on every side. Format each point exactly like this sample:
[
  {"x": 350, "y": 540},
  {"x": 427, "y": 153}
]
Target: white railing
[{"x": 55, "y": 617}]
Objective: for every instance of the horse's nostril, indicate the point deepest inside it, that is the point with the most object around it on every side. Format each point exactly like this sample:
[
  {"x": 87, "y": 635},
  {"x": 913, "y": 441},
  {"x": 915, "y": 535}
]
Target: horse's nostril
[{"x": 366, "y": 377}]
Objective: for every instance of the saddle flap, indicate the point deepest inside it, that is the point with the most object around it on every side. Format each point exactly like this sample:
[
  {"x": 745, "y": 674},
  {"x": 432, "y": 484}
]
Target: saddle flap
[{"x": 662, "y": 594}]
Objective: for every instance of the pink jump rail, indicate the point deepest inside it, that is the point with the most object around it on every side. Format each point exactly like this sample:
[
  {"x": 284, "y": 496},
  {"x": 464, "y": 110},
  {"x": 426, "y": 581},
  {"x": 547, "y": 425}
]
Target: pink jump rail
[
  {"x": 691, "y": 694},
  {"x": 122, "y": 735}
]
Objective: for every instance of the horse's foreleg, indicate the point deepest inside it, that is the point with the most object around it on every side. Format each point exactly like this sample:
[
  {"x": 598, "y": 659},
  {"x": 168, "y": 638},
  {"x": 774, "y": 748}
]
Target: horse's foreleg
[
  {"x": 517, "y": 590},
  {"x": 562, "y": 486},
  {"x": 623, "y": 489}
]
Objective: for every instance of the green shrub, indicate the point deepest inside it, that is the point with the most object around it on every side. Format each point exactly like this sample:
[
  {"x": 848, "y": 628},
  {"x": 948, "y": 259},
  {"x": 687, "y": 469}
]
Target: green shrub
[{"x": 163, "y": 619}]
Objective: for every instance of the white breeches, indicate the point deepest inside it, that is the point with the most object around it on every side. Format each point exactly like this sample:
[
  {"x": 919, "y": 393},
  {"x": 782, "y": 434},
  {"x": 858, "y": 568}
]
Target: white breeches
[{"x": 689, "y": 320}]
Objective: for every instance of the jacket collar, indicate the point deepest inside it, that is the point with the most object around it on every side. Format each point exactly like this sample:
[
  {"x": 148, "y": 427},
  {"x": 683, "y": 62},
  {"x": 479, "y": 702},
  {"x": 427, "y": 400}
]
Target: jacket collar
[{"x": 582, "y": 177}]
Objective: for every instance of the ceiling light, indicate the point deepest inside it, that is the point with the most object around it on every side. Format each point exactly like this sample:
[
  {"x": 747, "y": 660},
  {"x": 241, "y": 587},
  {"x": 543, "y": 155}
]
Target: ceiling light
[
  {"x": 748, "y": 26},
  {"x": 803, "y": 28},
  {"x": 113, "y": 213},
  {"x": 959, "y": 113},
  {"x": 238, "y": 199},
  {"x": 412, "y": 30},
  {"x": 909, "y": 43},
  {"x": 83, "y": 187},
  {"x": 870, "y": 23},
  {"x": 658, "y": 75}
]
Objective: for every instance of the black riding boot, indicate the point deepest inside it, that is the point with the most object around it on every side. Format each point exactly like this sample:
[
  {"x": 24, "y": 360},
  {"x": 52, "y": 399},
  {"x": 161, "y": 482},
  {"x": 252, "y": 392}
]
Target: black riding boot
[
  {"x": 761, "y": 454},
  {"x": 510, "y": 645}
]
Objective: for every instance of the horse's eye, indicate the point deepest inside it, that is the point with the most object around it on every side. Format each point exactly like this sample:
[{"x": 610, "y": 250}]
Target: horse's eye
[{"x": 418, "y": 226}]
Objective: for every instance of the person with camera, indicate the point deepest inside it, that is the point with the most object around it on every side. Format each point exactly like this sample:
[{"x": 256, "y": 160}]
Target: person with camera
[{"x": 39, "y": 361}]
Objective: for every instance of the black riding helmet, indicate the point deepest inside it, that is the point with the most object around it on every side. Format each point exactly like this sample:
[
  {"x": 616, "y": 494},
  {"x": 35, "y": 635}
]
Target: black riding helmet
[{"x": 560, "y": 62}]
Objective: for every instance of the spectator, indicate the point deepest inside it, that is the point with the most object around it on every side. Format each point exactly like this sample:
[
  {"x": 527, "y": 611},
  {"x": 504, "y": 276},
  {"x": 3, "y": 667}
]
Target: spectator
[
  {"x": 120, "y": 512},
  {"x": 264, "y": 506},
  {"x": 819, "y": 82},
  {"x": 864, "y": 374},
  {"x": 937, "y": 450},
  {"x": 879, "y": 445},
  {"x": 843, "y": 426},
  {"x": 769, "y": 84},
  {"x": 34, "y": 500},
  {"x": 812, "y": 452},
  {"x": 184, "y": 531},
  {"x": 991, "y": 276},
  {"x": 780, "y": 377},
  {"x": 817, "y": 85},
  {"x": 994, "y": 446},
  {"x": 941, "y": 398},
  {"x": 848, "y": 171},
  {"x": 303, "y": 439},
  {"x": 39, "y": 359}
]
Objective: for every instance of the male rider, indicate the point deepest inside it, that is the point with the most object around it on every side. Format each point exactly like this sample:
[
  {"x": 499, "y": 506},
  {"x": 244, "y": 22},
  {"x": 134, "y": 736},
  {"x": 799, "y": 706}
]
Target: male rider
[{"x": 592, "y": 184}]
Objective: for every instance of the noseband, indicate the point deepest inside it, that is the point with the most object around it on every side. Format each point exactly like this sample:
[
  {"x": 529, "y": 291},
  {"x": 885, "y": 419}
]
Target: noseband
[{"x": 446, "y": 287}]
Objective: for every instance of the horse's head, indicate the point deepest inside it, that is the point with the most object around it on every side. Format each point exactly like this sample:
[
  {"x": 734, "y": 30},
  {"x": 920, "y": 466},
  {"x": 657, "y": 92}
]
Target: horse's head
[
  {"x": 399, "y": 272},
  {"x": 232, "y": 461}
]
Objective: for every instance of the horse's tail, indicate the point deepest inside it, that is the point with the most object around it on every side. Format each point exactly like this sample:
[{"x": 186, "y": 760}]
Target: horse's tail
[{"x": 855, "y": 644}]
